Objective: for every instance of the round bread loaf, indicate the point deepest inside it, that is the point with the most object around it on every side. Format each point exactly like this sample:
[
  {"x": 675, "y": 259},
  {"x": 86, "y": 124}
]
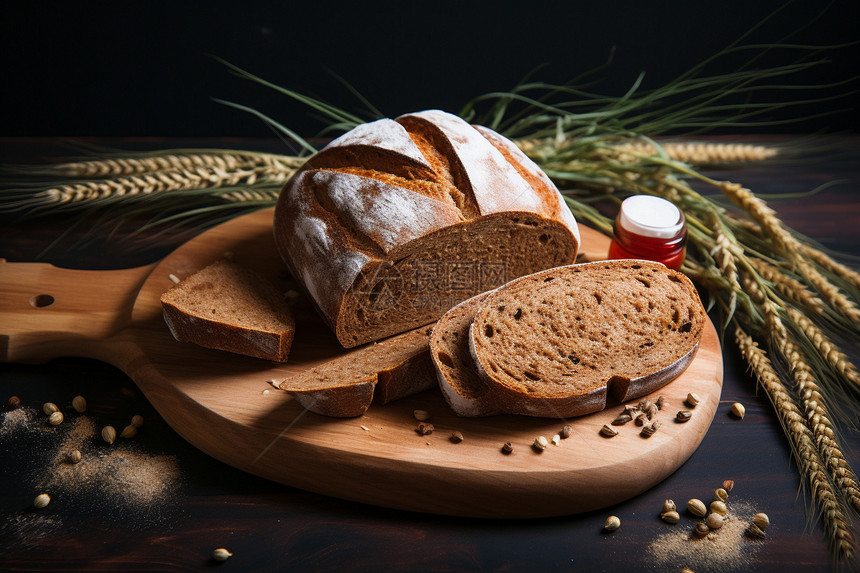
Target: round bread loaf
[{"x": 397, "y": 221}]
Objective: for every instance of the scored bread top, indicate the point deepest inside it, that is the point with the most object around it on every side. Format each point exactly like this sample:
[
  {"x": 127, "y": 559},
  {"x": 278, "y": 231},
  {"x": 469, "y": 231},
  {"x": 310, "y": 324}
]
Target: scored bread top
[
  {"x": 393, "y": 189},
  {"x": 552, "y": 342}
]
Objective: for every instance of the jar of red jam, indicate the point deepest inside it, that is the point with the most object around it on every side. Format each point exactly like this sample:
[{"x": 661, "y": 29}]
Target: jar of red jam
[{"x": 650, "y": 228}]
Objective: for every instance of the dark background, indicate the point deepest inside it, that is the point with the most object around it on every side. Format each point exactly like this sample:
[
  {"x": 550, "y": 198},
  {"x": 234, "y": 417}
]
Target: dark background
[{"x": 143, "y": 68}]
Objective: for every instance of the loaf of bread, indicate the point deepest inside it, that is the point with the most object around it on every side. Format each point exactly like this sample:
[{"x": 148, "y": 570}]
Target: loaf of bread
[
  {"x": 379, "y": 372},
  {"x": 227, "y": 307},
  {"x": 396, "y": 221},
  {"x": 555, "y": 343}
]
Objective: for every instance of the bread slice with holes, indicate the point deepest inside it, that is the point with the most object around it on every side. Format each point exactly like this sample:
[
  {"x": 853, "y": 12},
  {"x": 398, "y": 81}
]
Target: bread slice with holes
[
  {"x": 465, "y": 390},
  {"x": 394, "y": 222},
  {"x": 374, "y": 373},
  {"x": 227, "y": 307},
  {"x": 556, "y": 343}
]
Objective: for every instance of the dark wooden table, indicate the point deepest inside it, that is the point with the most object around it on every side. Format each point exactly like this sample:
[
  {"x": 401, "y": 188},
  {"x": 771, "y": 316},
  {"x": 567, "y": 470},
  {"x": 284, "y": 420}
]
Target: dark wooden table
[{"x": 266, "y": 525}]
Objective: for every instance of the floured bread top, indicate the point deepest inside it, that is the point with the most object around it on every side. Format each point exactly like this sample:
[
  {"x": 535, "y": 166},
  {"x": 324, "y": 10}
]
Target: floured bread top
[
  {"x": 574, "y": 329},
  {"x": 381, "y": 204}
]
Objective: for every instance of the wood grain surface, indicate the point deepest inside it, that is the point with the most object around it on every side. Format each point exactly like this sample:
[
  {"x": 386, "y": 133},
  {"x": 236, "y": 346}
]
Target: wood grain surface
[
  {"x": 271, "y": 526},
  {"x": 221, "y": 402}
]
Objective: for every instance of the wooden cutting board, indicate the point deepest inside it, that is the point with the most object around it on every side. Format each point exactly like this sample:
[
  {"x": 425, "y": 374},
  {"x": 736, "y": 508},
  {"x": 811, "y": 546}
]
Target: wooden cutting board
[{"x": 223, "y": 405}]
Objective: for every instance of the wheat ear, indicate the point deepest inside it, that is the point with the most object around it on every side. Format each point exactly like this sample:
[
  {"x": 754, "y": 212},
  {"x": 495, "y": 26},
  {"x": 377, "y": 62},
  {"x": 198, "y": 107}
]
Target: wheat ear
[
  {"x": 226, "y": 161},
  {"x": 814, "y": 406},
  {"x": 786, "y": 243},
  {"x": 160, "y": 181},
  {"x": 793, "y": 290},
  {"x": 702, "y": 153},
  {"x": 831, "y": 353},
  {"x": 808, "y": 457}
]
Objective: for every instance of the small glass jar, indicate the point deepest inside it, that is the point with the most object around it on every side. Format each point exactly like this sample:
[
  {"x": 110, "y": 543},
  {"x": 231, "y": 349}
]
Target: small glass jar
[{"x": 650, "y": 228}]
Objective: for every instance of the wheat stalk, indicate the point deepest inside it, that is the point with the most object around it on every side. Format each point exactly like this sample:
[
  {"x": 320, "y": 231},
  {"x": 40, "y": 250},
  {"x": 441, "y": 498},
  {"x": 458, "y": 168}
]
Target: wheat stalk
[{"x": 807, "y": 455}]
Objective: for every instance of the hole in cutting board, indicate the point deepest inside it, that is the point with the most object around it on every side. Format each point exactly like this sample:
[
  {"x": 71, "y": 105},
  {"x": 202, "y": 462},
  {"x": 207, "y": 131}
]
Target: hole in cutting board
[{"x": 41, "y": 300}]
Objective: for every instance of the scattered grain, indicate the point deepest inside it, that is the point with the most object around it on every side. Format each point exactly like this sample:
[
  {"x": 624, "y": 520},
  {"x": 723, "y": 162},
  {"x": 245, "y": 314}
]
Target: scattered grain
[
  {"x": 13, "y": 403},
  {"x": 718, "y": 507},
  {"x": 456, "y": 437},
  {"x": 612, "y": 523},
  {"x": 670, "y": 517},
  {"x": 696, "y": 507},
  {"x": 137, "y": 420},
  {"x": 566, "y": 431},
  {"x": 608, "y": 431},
  {"x": 42, "y": 500},
  {"x": 714, "y": 520},
  {"x": 761, "y": 520},
  {"x": 128, "y": 432},
  {"x": 507, "y": 448},
  {"x": 421, "y": 415},
  {"x": 683, "y": 416},
  {"x": 692, "y": 400},
  {"x": 49, "y": 408},
  {"x": 738, "y": 410},
  {"x": 540, "y": 444},
  {"x": 79, "y": 403},
  {"x": 56, "y": 418},
  {"x": 221, "y": 554},
  {"x": 109, "y": 434}
]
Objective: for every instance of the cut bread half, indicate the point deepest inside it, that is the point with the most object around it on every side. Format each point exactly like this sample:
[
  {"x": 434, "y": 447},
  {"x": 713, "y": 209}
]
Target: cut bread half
[
  {"x": 227, "y": 307},
  {"x": 555, "y": 343},
  {"x": 463, "y": 387},
  {"x": 379, "y": 372}
]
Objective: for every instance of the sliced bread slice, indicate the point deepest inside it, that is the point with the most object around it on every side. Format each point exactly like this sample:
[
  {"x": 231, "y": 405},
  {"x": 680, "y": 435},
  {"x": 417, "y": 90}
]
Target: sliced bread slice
[
  {"x": 381, "y": 372},
  {"x": 552, "y": 344},
  {"x": 461, "y": 384},
  {"x": 227, "y": 307}
]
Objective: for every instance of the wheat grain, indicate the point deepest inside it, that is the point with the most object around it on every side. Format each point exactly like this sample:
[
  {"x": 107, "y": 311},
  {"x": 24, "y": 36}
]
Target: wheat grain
[
  {"x": 829, "y": 351},
  {"x": 808, "y": 456},
  {"x": 792, "y": 289}
]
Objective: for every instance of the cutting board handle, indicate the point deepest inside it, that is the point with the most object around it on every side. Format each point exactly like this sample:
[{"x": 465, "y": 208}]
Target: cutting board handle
[{"x": 47, "y": 312}]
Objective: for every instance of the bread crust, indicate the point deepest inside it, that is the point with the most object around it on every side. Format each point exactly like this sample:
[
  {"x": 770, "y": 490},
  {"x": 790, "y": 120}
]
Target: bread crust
[{"x": 413, "y": 189}]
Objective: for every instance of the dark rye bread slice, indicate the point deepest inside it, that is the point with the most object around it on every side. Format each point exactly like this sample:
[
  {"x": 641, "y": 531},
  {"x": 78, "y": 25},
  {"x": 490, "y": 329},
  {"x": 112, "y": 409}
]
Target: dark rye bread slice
[
  {"x": 378, "y": 372},
  {"x": 391, "y": 224},
  {"x": 553, "y": 344},
  {"x": 227, "y": 307},
  {"x": 463, "y": 387}
]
